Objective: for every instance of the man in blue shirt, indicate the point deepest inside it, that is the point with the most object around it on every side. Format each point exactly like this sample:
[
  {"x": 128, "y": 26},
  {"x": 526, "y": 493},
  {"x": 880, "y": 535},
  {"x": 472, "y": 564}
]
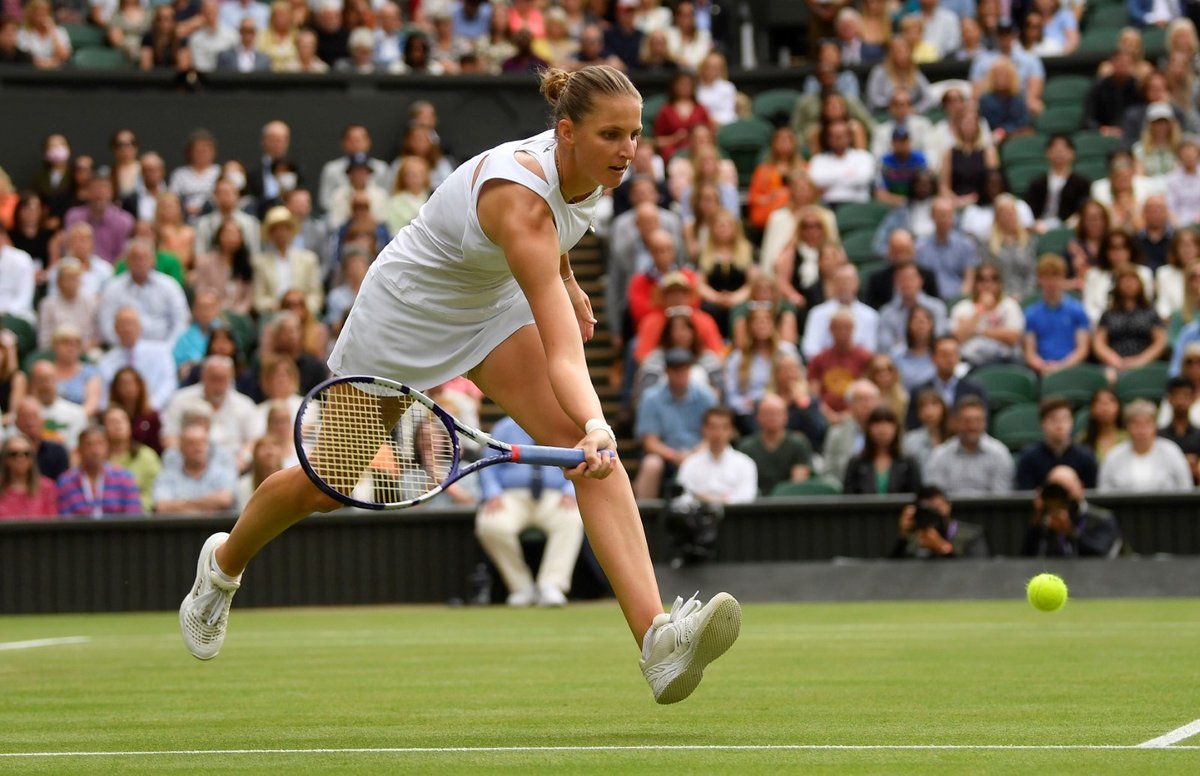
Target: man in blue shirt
[
  {"x": 949, "y": 253},
  {"x": 520, "y": 496},
  {"x": 472, "y": 18},
  {"x": 668, "y": 423},
  {"x": 898, "y": 169},
  {"x": 1057, "y": 326}
]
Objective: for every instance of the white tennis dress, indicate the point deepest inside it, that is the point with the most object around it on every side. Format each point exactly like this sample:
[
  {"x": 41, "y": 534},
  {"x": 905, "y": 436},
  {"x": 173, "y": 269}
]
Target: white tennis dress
[{"x": 441, "y": 296}]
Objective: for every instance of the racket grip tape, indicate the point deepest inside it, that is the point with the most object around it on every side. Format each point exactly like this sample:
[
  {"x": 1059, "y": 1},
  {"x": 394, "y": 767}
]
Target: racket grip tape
[{"x": 567, "y": 458}]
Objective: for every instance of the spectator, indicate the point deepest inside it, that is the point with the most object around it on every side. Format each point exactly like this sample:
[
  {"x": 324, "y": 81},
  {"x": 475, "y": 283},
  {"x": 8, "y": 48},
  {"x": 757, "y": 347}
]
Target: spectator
[
  {"x": 46, "y": 43},
  {"x": 681, "y": 112},
  {"x": 989, "y": 323},
  {"x": 95, "y": 270},
  {"x": 1012, "y": 248},
  {"x": 843, "y": 174},
  {"x": 233, "y": 413},
  {"x": 160, "y": 302},
  {"x": 127, "y": 23},
  {"x": 110, "y": 224},
  {"x": 1106, "y": 424},
  {"x": 313, "y": 234},
  {"x": 876, "y": 31},
  {"x": 223, "y": 342},
  {"x": 901, "y": 114},
  {"x": 1065, "y": 524},
  {"x": 420, "y": 139},
  {"x": 846, "y": 438},
  {"x": 899, "y": 170},
  {"x": 333, "y": 38},
  {"x": 277, "y": 38},
  {"x": 1060, "y": 30},
  {"x": 189, "y": 349},
  {"x": 128, "y": 391},
  {"x": 1172, "y": 278},
  {"x": 280, "y": 384},
  {"x": 978, "y": 218},
  {"x": 953, "y": 389},
  {"x": 11, "y": 53},
  {"x": 804, "y": 414},
  {"x": 411, "y": 192},
  {"x": 174, "y": 235},
  {"x": 715, "y": 473},
  {"x": 163, "y": 46},
  {"x": 817, "y": 103},
  {"x": 355, "y": 140},
  {"x": 688, "y": 44},
  {"x": 1056, "y": 449},
  {"x": 63, "y": 419},
  {"x": 834, "y": 107},
  {"x": 668, "y": 424},
  {"x": 127, "y": 453},
  {"x": 16, "y": 279},
  {"x": 881, "y": 468},
  {"x": 965, "y": 165},
  {"x": 679, "y": 332},
  {"x": 946, "y": 133},
  {"x": 417, "y": 58},
  {"x": 96, "y": 487},
  {"x": 359, "y": 181},
  {"x": 928, "y": 530},
  {"x": 1117, "y": 253},
  {"x": 559, "y": 47},
  {"x": 845, "y": 287},
  {"x": 724, "y": 269},
  {"x": 266, "y": 461},
  {"x": 1083, "y": 251},
  {"x": 796, "y": 264},
  {"x": 714, "y": 91},
  {"x": 779, "y": 454},
  {"x": 1153, "y": 240},
  {"x": 623, "y": 39},
  {"x": 224, "y": 270},
  {"x": 896, "y": 72},
  {"x": 900, "y": 250},
  {"x": 768, "y": 186},
  {"x": 211, "y": 38},
  {"x": 1122, "y": 192},
  {"x": 195, "y": 482},
  {"x": 748, "y": 369},
  {"x": 833, "y": 369},
  {"x": 1154, "y": 154},
  {"x": 1056, "y": 326},
  {"x": 225, "y": 197},
  {"x": 934, "y": 428},
  {"x": 972, "y": 462},
  {"x": 355, "y": 262},
  {"x": 948, "y": 253},
  {"x": 765, "y": 295},
  {"x": 1109, "y": 97},
  {"x": 149, "y": 185},
  {"x": 194, "y": 182},
  {"x": 517, "y": 498},
  {"x": 24, "y": 491},
  {"x": 592, "y": 48},
  {"x": 51, "y": 456},
  {"x": 882, "y": 371},
  {"x": 1183, "y": 184},
  {"x": 29, "y": 232},
  {"x": 1130, "y": 334},
  {"x": 281, "y": 266},
  {"x": 12, "y": 379},
  {"x": 643, "y": 289},
  {"x": 1057, "y": 195},
  {"x": 307, "y": 60},
  {"x": 909, "y": 294},
  {"x": 1030, "y": 71},
  {"x": 1180, "y": 400},
  {"x": 77, "y": 381},
  {"x": 912, "y": 32},
  {"x": 783, "y": 224},
  {"x": 914, "y": 355},
  {"x": 676, "y": 292},
  {"x": 286, "y": 337},
  {"x": 1146, "y": 463},
  {"x": 1002, "y": 103}
]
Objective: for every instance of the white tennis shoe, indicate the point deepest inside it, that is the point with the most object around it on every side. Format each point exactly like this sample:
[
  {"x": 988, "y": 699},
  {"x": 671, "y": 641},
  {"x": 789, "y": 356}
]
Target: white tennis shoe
[
  {"x": 204, "y": 613},
  {"x": 679, "y": 645}
]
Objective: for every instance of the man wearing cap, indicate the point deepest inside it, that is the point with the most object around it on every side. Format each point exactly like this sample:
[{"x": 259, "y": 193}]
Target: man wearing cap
[
  {"x": 158, "y": 298},
  {"x": 281, "y": 267},
  {"x": 355, "y": 140},
  {"x": 677, "y": 292},
  {"x": 901, "y": 114},
  {"x": 1030, "y": 70},
  {"x": 358, "y": 180},
  {"x": 668, "y": 423},
  {"x": 110, "y": 224},
  {"x": 1183, "y": 183},
  {"x": 898, "y": 168},
  {"x": 225, "y": 196},
  {"x": 623, "y": 38}
]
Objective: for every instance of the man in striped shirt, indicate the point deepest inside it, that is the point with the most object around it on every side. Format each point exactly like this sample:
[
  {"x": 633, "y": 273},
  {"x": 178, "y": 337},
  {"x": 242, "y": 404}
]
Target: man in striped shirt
[{"x": 96, "y": 488}]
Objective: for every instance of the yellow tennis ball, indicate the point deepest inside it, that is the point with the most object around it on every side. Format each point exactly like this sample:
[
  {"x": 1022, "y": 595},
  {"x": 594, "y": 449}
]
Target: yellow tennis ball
[{"x": 1047, "y": 592}]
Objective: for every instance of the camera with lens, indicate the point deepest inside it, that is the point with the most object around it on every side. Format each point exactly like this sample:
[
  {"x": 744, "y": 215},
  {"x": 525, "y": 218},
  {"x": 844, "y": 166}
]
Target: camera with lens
[
  {"x": 926, "y": 517},
  {"x": 693, "y": 528}
]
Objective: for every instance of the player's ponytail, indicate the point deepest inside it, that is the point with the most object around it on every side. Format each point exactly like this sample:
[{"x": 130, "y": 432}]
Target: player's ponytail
[{"x": 572, "y": 95}]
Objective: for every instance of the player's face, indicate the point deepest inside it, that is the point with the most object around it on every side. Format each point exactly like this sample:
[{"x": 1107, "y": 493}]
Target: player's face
[{"x": 606, "y": 140}]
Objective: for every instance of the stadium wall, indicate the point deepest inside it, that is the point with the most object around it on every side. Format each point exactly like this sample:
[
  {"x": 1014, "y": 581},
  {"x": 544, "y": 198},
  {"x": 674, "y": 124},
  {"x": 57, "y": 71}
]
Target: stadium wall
[{"x": 369, "y": 558}]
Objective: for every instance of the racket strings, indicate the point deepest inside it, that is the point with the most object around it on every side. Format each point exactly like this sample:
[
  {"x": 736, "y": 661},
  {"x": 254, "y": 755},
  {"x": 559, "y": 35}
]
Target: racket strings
[{"x": 377, "y": 446}]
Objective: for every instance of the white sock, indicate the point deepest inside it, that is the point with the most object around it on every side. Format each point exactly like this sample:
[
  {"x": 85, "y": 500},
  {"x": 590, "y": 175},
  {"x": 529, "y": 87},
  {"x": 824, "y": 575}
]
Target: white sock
[{"x": 221, "y": 575}]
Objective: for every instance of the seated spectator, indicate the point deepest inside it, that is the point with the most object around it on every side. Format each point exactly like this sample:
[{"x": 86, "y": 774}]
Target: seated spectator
[
  {"x": 194, "y": 482},
  {"x": 680, "y": 332},
  {"x": 628, "y": 253},
  {"x": 724, "y": 269},
  {"x": 779, "y": 454},
  {"x": 233, "y": 413},
  {"x": 900, "y": 249},
  {"x": 1057, "y": 195},
  {"x": 1064, "y": 524},
  {"x": 901, "y": 114},
  {"x": 1012, "y": 248},
  {"x": 668, "y": 424},
  {"x": 928, "y": 530},
  {"x": 681, "y": 112},
  {"x": 244, "y": 56},
  {"x": 264, "y": 462},
  {"x": 1083, "y": 251},
  {"x": 623, "y": 38},
  {"x": 193, "y": 183},
  {"x": 190, "y": 347},
  {"x": 94, "y": 271},
  {"x": 307, "y": 59},
  {"x": 1060, "y": 28},
  {"x": 279, "y": 427},
  {"x": 846, "y": 438},
  {"x": 1118, "y": 253},
  {"x": 912, "y": 32},
  {"x": 843, "y": 174},
  {"x": 1002, "y": 103},
  {"x": 16, "y": 278},
  {"x": 1056, "y": 449},
  {"x": 934, "y": 429},
  {"x": 153, "y": 360},
  {"x": 128, "y": 392},
  {"x": 748, "y": 369},
  {"x": 804, "y": 413},
  {"x": 948, "y": 253},
  {"x": 29, "y": 232},
  {"x": 45, "y": 42},
  {"x": 1123, "y": 193},
  {"x": 1130, "y": 334},
  {"x": 1153, "y": 240},
  {"x": 78, "y": 381},
  {"x": 174, "y": 235},
  {"x": 411, "y": 191},
  {"x": 1154, "y": 154},
  {"x": 966, "y": 163},
  {"x": 676, "y": 291},
  {"x": 882, "y": 371},
  {"x": 340, "y": 299},
  {"x": 702, "y": 167},
  {"x": 51, "y": 456},
  {"x": 280, "y": 383},
  {"x": 881, "y": 468},
  {"x": 1057, "y": 326},
  {"x": 715, "y": 473},
  {"x": 834, "y": 107},
  {"x": 688, "y": 44},
  {"x": 359, "y": 180},
  {"x": 909, "y": 294},
  {"x": 899, "y": 170},
  {"x": 972, "y": 462},
  {"x": 285, "y": 338},
  {"x": 160, "y": 302},
  {"x": 897, "y": 72},
  {"x": 211, "y": 37},
  {"x": 956, "y": 101},
  {"x": 225, "y": 199},
  {"x": 63, "y": 419},
  {"x": 11, "y": 53},
  {"x": 845, "y": 287},
  {"x": 876, "y": 32},
  {"x": 946, "y": 381},
  {"x": 831, "y": 259},
  {"x": 96, "y": 487},
  {"x": 24, "y": 491},
  {"x": 1179, "y": 405},
  {"x": 1146, "y": 463},
  {"x": 1105, "y": 424},
  {"x": 796, "y": 264},
  {"x": 978, "y": 219},
  {"x": 1171, "y": 279},
  {"x": 1110, "y": 96},
  {"x": 164, "y": 46},
  {"x": 765, "y": 295},
  {"x": 714, "y": 92},
  {"x": 768, "y": 185},
  {"x": 280, "y": 259},
  {"x": 815, "y": 105},
  {"x": 223, "y": 269},
  {"x": 12, "y": 380},
  {"x": 1183, "y": 183},
  {"x": 834, "y": 368},
  {"x": 127, "y": 453},
  {"x": 913, "y": 355},
  {"x": 989, "y": 323}
]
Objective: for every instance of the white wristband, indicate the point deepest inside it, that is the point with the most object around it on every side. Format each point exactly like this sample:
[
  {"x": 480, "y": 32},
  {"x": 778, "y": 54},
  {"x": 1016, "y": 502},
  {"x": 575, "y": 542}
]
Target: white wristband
[{"x": 598, "y": 424}]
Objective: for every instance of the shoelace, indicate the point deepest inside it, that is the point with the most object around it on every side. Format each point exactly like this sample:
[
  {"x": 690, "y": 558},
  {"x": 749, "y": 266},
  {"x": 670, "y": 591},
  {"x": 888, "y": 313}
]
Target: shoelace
[
  {"x": 212, "y": 603},
  {"x": 683, "y": 609},
  {"x": 679, "y": 611}
]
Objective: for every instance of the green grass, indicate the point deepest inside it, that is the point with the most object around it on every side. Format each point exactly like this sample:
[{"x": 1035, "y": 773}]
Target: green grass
[{"x": 994, "y": 673}]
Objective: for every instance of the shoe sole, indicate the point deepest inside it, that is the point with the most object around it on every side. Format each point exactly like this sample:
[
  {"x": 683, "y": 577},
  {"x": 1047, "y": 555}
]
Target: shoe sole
[
  {"x": 210, "y": 546},
  {"x": 716, "y": 636}
]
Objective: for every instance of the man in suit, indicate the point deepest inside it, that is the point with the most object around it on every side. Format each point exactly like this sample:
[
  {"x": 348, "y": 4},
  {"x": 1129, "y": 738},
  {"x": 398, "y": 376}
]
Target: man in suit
[
  {"x": 244, "y": 57},
  {"x": 261, "y": 183},
  {"x": 1056, "y": 195},
  {"x": 281, "y": 267},
  {"x": 946, "y": 380},
  {"x": 142, "y": 204}
]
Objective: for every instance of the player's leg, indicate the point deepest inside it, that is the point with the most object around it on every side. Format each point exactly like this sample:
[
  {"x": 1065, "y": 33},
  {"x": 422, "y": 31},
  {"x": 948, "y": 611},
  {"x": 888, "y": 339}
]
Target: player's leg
[
  {"x": 514, "y": 375},
  {"x": 498, "y": 527}
]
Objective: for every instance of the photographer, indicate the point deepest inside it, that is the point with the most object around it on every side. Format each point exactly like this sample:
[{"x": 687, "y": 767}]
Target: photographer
[
  {"x": 928, "y": 530},
  {"x": 1064, "y": 524}
]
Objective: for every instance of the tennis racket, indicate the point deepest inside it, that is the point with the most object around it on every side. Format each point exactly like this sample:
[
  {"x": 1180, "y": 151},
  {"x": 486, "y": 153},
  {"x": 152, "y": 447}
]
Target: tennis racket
[{"x": 375, "y": 443}]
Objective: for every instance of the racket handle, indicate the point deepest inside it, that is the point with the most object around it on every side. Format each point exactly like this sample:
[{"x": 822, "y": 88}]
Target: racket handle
[{"x": 567, "y": 458}]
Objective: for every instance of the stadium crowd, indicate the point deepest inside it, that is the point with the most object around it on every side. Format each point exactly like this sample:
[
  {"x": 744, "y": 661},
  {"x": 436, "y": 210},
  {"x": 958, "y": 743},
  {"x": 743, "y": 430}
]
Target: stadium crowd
[{"x": 887, "y": 284}]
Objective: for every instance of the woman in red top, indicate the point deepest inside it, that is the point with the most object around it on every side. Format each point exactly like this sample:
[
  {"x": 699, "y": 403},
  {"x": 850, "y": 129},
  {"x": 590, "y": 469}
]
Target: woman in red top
[
  {"x": 768, "y": 185},
  {"x": 678, "y": 116},
  {"x": 24, "y": 492}
]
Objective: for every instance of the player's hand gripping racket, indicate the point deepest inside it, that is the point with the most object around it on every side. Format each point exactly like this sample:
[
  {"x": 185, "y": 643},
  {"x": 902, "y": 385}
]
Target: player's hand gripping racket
[{"x": 375, "y": 443}]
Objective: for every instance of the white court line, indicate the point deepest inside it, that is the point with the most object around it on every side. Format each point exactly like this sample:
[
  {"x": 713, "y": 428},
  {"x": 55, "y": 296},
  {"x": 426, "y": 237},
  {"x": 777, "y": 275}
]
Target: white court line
[
  {"x": 518, "y": 749},
  {"x": 43, "y": 642},
  {"x": 1178, "y": 734}
]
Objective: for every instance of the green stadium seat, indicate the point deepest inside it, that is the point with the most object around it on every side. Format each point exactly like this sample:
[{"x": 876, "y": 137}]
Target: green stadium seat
[
  {"x": 1076, "y": 384},
  {"x": 1148, "y": 382},
  {"x": 1082, "y": 416},
  {"x": 1017, "y": 426},
  {"x": 1060, "y": 118},
  {"x": 650, "y": 107},
  {"x": 85, "y": 36},
  {"x": 1154, "y": 41},
  {"x": 1107, "y": 17},
  {"x": 23, "y": 330},
  {"x": 1102, "y": 41},
  {"x": 99, "y": 59},
  {"x": 1092, "y": 169},
  {"x": 1090, "y": 144},
  {"x": 1020, "y": 175},
  {"x": 1027, "y": 148},
  {"x": 744, "y": 140},
  {"x": 866, "y": 270},
  {"x": 775, "y": 105},
  {"x": 854, "y": 216},
  {"x": 1062, "y": 89},
  {"x": 1007, "y": 384},
  {"x": 858, "y": 246},
  {"x": 35, "y": 356},
  {"x": 813, "y": 487},
  {"x": 1055, "y": 241}
]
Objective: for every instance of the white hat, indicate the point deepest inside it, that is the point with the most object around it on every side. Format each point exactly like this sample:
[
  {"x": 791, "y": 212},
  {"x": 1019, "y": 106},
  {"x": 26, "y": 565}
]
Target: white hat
[{"x": 1159, "y": 110}]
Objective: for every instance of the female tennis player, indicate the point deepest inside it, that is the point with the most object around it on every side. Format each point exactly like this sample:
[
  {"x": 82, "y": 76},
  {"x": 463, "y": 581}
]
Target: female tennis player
[{"x": 480, "y": 284}]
